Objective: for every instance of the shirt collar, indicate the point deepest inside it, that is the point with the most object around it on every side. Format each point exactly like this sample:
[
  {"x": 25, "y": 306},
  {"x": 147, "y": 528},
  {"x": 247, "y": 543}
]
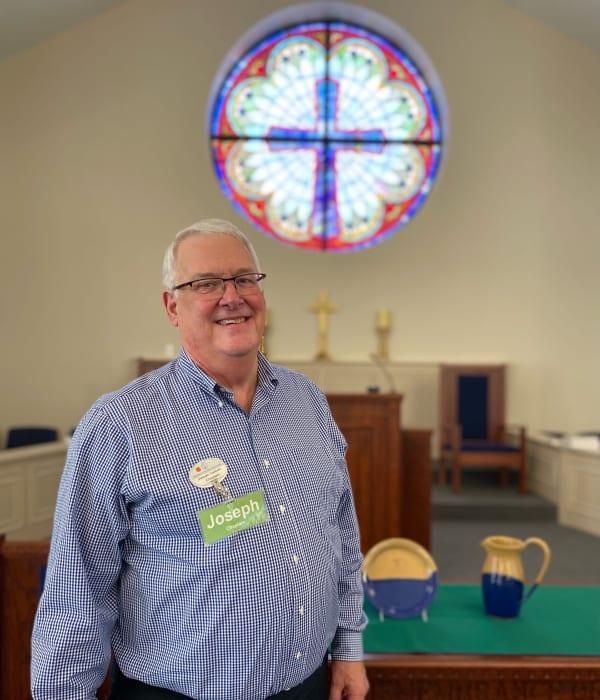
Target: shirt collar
[{"x": 266, "y": 376}]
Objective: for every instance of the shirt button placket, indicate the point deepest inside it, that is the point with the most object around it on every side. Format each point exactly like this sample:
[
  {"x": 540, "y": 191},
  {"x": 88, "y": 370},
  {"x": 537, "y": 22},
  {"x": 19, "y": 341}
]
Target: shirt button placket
[{"x": 301, "y": 617}]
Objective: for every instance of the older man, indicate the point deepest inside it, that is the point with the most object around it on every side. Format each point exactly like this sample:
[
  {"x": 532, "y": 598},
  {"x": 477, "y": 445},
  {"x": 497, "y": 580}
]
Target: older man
[{"x": 205, "y": 530}]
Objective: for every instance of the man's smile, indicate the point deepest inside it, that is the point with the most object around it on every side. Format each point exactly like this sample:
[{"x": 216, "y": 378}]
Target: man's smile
[{"x": 231, "y": 321}]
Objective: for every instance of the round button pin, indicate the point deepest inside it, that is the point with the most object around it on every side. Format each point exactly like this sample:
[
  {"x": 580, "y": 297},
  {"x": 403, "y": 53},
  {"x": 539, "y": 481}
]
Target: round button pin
[{"x": 207, "y": 472}]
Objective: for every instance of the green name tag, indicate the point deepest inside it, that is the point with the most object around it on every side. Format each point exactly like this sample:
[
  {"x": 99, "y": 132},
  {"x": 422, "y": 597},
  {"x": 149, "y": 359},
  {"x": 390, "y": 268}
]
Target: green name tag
[{"x": 234, "y": 516}]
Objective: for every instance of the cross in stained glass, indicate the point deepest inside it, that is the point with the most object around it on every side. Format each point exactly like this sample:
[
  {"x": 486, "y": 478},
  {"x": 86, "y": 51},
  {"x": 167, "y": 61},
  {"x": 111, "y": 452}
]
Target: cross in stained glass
[{"x": 325, "y": 132}]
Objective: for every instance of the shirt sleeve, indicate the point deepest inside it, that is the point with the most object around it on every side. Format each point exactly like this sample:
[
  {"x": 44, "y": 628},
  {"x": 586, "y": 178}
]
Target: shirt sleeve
[
  {"x": 77, "y": 610},
  {"x": 347, "y": 643}
]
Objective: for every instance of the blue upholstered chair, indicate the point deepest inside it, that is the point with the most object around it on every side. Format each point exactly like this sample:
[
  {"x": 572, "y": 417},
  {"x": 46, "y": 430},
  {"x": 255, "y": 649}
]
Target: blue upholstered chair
[
  {"x": 472, "y": 427},
  {"x": 19, "y": 437}
]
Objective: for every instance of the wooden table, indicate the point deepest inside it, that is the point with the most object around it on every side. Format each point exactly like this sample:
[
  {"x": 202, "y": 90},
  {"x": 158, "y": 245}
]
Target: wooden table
[
  {"x": 392, "y": 676},
  {"x": 552, "y": 652},
  {"x": 469, "y": 677}
]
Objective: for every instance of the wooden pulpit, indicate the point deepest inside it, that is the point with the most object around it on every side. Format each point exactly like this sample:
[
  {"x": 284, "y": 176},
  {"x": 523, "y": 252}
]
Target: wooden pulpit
[{"x": 390, "y": 468}]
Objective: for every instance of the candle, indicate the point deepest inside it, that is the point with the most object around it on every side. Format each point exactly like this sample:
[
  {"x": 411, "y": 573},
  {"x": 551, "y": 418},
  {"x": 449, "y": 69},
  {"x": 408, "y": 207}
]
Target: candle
[{"x": 383, "y": 319}]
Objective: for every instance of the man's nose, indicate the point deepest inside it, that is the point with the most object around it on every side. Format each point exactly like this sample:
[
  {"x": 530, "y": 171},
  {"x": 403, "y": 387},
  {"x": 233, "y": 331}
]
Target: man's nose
[{"x": 230, "y": 290}]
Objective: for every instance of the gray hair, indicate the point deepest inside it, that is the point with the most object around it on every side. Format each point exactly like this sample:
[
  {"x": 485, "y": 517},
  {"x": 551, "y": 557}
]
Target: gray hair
[{"x": 203, "y": 227}]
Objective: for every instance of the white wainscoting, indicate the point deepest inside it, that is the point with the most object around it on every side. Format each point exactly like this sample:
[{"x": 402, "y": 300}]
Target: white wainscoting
[
  {"x": 579, "y": 502},
  {"x": 543, "y": 469},
  {"x": 29, "y": 479},
  {"x": 568, "y": 477}
]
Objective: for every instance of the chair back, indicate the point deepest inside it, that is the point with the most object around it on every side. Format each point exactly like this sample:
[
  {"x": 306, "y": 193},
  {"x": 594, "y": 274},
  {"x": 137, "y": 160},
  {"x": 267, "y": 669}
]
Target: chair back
[
  {"x": 472, "y": 396},
  {"x": 19, "y": 437}
]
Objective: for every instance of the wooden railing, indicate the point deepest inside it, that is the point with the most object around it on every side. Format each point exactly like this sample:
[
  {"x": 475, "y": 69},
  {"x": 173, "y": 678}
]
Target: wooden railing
[{"x": 22, "y": 568}]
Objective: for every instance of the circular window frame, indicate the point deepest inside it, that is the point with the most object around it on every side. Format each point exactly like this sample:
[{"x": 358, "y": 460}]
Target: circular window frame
[{"x": 353, "y": 15}]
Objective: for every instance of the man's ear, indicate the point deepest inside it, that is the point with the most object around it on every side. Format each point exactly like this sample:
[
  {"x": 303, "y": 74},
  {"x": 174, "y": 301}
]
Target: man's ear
[{"x": 170, "y": 302}]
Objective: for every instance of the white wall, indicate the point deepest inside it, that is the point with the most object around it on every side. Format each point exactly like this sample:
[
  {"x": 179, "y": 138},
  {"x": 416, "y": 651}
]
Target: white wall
[{"x": 105, "y": 156}]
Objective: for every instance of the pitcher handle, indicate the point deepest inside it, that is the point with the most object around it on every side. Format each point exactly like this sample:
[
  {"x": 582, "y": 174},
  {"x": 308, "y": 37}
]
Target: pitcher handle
[{"x": 540, "y": 575}]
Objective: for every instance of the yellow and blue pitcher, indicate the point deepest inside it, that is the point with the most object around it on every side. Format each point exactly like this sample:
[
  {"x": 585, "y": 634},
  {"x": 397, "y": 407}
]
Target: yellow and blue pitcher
[{"x": 502, "y": 577}]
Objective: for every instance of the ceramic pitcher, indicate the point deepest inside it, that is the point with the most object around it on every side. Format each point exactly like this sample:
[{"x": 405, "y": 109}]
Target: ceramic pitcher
[{"x": 502, "y": 577}]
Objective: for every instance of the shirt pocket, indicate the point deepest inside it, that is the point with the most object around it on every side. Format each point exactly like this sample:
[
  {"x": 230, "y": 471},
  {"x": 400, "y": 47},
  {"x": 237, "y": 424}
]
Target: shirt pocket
[{"x": 316, "y": 478}]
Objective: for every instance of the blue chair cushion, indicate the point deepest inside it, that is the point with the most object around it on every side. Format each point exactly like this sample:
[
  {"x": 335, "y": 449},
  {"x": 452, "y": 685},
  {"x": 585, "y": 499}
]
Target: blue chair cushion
[
  {"x": 484, "y": 447},
  {"x": 488, "y": 447}
]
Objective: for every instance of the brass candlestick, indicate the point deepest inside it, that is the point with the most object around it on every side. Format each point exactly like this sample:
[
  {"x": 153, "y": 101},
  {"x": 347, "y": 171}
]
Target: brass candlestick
[{"x": 383, "y": 332}]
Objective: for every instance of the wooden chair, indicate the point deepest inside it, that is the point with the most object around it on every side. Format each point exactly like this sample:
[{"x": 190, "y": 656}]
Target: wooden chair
[
  {"x": 22, "y": 571},
  {"x": 472, "y": 429}
]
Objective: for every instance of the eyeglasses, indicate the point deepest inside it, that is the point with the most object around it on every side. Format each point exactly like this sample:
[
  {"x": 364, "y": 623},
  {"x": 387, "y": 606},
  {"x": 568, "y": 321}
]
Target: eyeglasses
[{"x": 214, "y": 287}]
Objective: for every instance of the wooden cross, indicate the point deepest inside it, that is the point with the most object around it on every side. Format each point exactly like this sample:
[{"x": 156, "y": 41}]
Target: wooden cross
[{"x": 323, "y": 308}]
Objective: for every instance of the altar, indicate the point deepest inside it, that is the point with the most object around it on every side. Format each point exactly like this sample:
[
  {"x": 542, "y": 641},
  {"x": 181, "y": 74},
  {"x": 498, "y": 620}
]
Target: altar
[
  {"x": 547, "y": 654},
  {"x": 550, "y": 652}
]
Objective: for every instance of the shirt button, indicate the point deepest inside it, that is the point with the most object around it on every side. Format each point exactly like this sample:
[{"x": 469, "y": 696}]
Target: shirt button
[
  {"x": 220, "y": 404},
  {"x": 298, "y": 655},
  {"x": 295, "y": 559},
  {"x": 282, "y": 509},
  {"x": 266, "y": 462},
  {"x": 301, "y": 610}
]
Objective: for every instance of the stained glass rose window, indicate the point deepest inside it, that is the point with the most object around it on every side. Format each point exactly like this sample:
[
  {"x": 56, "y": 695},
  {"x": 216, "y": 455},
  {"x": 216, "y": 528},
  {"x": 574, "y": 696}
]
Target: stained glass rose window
[{"x": 326, "y": 136}]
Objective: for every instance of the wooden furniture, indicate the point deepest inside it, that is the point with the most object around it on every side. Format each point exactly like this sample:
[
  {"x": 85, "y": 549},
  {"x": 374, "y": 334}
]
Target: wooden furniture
[
  {"x": 22, "y": 568},
  {"x": 21, "y": 565},
  {"x": 371, "y": 425},
  {"x": 390, "y": 468},
  {"x": 392, "y": 676},
  {"x": 416, "y": 485},
  {"x": 478, "y": 677},
  {"x": 472, "y": 425},
  {"x": 551, "y": 652}
]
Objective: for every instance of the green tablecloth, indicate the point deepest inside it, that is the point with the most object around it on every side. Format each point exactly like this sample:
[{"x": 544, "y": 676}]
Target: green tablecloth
[{"x": 561, "y": 620}]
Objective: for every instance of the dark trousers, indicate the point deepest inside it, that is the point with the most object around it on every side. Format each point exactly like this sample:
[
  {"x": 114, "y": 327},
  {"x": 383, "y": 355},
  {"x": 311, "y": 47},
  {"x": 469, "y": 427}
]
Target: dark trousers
[{"x": 315, "y": 687}]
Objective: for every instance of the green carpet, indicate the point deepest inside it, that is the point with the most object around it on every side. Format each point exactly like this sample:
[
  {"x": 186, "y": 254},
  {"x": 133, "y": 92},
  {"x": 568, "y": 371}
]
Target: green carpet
[{"x": 561, "y": 620}]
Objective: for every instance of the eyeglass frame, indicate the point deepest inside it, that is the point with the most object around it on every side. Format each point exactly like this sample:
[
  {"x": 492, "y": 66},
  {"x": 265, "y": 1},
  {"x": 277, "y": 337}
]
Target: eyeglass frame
[{"x": 260, "y": 276}]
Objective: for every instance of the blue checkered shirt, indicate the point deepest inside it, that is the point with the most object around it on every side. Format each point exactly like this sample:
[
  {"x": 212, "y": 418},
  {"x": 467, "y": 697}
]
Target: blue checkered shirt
[{"x": 240, "y": 619}]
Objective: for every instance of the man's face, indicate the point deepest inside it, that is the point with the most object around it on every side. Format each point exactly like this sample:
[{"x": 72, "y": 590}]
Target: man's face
[{"x": 213, "y": 330}]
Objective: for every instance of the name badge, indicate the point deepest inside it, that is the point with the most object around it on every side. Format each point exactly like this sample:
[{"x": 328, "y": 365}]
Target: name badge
[{"x": 236, "y": 515}]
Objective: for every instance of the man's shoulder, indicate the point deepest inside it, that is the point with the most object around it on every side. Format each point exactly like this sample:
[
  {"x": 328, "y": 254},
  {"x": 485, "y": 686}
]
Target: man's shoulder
[
  {"x": 139, "y": 390},
  {"x": 291, "y": 377}
]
